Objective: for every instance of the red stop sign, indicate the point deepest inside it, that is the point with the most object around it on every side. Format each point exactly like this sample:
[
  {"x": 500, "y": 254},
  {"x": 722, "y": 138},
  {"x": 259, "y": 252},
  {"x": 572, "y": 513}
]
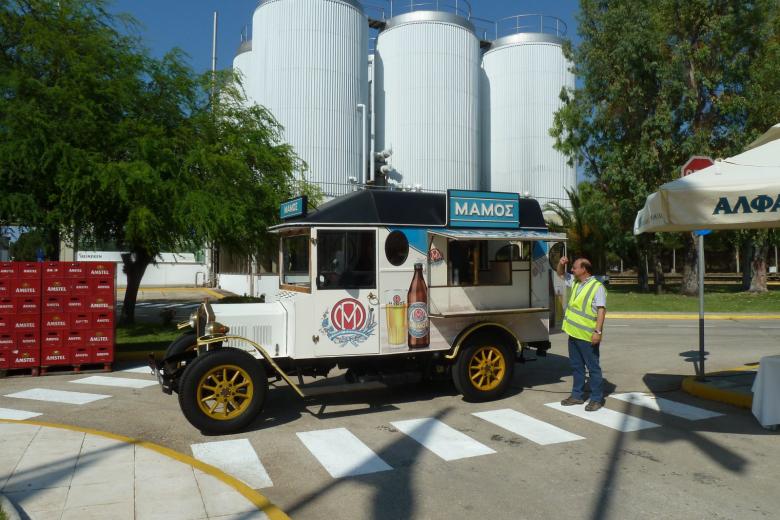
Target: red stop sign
[{"x": 694, "y": 164}]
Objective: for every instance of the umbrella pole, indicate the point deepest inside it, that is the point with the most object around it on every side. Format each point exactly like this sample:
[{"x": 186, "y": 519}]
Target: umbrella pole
[{"x": 701, "y": 307}]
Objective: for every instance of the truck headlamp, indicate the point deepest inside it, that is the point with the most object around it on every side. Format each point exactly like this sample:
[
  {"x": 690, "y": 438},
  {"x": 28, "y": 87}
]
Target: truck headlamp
[
  {"x": 189, "y": 323},
  {"x": 215, "y": 328}
]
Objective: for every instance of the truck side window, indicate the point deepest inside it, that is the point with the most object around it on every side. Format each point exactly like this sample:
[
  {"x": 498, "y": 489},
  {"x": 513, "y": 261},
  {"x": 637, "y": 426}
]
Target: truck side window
[
  {"x": 346, "y": 259},
  {"x": 295, "y": 260}
]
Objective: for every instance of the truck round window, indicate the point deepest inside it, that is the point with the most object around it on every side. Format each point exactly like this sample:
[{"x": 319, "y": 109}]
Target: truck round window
[{"x": 396, "y": 248}]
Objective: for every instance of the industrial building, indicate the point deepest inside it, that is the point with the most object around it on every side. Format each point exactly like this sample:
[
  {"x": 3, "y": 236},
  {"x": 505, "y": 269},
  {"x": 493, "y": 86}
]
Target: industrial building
[{"x": 446, "y": 99}]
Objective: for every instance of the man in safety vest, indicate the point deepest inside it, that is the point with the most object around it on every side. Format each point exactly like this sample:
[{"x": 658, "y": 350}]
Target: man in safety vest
[{"x": 583, "y": 322}]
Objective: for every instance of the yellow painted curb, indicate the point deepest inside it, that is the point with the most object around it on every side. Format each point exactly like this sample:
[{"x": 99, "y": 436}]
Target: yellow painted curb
[
  {"x": 705, "y": 391},
  {"x": 707, "y": 317},
  {"x": 206, "y": 290},
  {"x": 260, "y": 501}
]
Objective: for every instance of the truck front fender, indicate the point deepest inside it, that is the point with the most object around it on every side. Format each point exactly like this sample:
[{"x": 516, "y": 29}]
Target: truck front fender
[{"x": 207, "y": 341}]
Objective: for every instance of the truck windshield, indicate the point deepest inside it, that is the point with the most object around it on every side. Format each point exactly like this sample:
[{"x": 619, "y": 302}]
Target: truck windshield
[{"x": 295, "y": 260}]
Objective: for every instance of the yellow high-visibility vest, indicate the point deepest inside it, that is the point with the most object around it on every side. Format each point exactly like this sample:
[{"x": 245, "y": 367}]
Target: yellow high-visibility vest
[{"x": 580, "y": 320}]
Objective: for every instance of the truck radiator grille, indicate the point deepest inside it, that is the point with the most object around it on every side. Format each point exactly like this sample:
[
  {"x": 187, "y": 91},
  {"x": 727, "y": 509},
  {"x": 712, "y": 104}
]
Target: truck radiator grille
[{"x": 258, "y": 333}]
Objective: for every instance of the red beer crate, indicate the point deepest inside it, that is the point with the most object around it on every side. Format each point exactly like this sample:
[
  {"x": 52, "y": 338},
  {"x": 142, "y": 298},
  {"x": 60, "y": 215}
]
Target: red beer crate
[
  {"x": 5, "y": 359},
  {"x": 74, "y": 270},
  {"x": 101, "y": 287},
  {"x": 27, "y": 352},
  {"x": 26, "y": 288},
  {"x": 25, "y": 358},
  {"x": 6, "y": 287},
  {"x": 29, "y": 270},
  {"x": 53, "y": 339},
  {"x": 7, "y": 306},
  {"x": 103, "y": 355},
  {"x": 100, "y": 338},
  {"x": 81, "y": 355},
  {"x": 80, "y": 321},
  {"x": 56, "y": 286},
  {"x": 28, "y": 306},
  {"x": 101, "y": 270},
  {"x": 54, "y": 304},
  {"x": 75, "y": 339},
  {"x": 55, "y": 321},
  {"x": 53, "y": 270},
  {"x": 28, "y": 340},
  {"x": 55, "y": 356},
  {"x": 7, "y": 322},
  {"x": 100, "y": 303},
  {"x": 23, "y": 324},
  {"x": 7, "y": 270},
  {"x": 80, "y": 286},
  {"x": 103, "y": 320},
  {"x": 7, "y": 341},
  {"x": 75, "y": 304}
]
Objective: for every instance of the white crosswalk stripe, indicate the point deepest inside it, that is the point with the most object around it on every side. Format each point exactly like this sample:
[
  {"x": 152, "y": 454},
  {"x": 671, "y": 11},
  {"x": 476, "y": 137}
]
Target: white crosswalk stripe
[
  {"x": 446, "y": 442},
  {"x": 526, "y": 426},
  {"x": 58, "y": 396},
  {"x": 16, "y": 415},
  {"x": 122, "y": 382},
  {"x": 659, "y": 404},
  {"x": 341, "y": 453},
  {"x": 606, "y": 417},
  {"x": 235, "y": 457}
]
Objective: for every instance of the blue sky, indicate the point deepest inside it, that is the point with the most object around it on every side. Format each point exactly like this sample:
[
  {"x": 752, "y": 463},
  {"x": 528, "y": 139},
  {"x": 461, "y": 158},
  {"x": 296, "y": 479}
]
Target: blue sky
[{"x": 187, "y": 24}]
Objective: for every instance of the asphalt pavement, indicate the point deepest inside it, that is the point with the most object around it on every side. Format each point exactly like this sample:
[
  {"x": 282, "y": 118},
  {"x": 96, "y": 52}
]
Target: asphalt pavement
[{"x": 422, "y": 452}]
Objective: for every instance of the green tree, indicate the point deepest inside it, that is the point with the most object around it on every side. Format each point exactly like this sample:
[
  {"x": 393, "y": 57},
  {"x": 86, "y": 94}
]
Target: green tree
[
  {"x": 656, "y": 92},
  {"x": 100, "y": 141}
]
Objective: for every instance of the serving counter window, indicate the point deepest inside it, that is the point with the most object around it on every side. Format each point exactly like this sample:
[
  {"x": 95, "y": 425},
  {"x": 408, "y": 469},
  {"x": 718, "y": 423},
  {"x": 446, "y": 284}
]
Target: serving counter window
[
  {"x": 346, "y": 259},
  {"x": 295, "y": 262},
  {"x": 478, "y": 262}
]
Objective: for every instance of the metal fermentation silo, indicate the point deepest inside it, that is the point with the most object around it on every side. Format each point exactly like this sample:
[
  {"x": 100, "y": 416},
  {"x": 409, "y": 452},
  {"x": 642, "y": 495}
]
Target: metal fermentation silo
[
  {"x": 242, "y": 63},
  {"x": 427, "y": 97},
  {"x": 308, "y": 67},
  {"x": 522, "y": 77}
]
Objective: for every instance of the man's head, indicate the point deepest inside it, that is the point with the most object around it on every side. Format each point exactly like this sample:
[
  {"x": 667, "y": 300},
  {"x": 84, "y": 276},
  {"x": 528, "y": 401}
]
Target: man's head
[{"x": 582, "y": 269}]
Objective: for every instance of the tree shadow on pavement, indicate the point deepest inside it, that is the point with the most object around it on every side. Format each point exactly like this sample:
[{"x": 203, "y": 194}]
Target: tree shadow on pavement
[{"x": 674, "y": 429}]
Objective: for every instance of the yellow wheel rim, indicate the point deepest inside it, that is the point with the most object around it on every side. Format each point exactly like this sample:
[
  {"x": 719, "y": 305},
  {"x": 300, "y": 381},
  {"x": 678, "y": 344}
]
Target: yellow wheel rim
[
  {"x": 224, "y": 392},
  {"x": 487, "y": 368}
]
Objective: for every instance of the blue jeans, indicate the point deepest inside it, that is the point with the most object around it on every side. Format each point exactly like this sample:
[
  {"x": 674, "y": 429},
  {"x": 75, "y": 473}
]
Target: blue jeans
[{"x": 583, "y": 354}]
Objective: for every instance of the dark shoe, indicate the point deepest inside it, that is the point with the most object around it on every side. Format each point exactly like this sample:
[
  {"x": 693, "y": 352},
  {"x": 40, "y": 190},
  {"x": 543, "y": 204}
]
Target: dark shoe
[
  {"x": 593, "y": 406},
  {"x": 571, "y": 401}
]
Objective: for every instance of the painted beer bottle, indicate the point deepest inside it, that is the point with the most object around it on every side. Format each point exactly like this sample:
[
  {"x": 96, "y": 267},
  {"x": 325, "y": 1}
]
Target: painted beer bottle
[{"x": 417, "y": 313}]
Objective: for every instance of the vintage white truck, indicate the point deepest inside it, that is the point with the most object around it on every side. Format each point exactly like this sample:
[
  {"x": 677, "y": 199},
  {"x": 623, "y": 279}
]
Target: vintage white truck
[{"x": 379, "y": 283}]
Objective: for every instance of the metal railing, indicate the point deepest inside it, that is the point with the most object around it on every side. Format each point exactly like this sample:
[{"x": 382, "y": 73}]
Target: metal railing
[
  {"x": 459, "y": 7},
  {"x": 530, "y": 23}
]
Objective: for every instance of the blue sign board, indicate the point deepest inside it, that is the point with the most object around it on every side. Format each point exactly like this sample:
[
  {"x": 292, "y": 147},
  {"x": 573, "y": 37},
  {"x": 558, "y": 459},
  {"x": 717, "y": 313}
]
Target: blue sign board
[
  {"x": 293, "y": 208},
  {"x": 483, "y": 209}
]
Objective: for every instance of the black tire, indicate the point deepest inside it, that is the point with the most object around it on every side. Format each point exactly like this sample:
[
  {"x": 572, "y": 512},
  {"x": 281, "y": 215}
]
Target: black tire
[
  {"x": 237, "y": 381},
  {"x": 483, "y": 370}
]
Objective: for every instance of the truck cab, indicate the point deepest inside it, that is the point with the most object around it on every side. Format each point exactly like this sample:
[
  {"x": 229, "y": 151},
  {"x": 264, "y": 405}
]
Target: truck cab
[{"x": 484, "y": 294}]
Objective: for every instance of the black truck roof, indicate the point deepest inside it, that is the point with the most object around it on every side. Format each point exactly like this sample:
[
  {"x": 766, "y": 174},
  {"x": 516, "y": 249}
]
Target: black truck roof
[{"x": 373, "y": 207}]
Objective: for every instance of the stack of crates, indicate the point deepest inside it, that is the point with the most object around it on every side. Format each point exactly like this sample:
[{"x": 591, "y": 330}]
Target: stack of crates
[
  {"x": 20, "y": 315},
  {"x": 56, "y": 313},
  {"x": 78, "y": 324}
]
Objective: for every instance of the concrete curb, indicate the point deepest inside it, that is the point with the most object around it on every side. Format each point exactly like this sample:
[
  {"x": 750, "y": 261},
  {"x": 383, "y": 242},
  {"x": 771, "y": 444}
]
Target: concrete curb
[
  {"x": 8, "y": 508},
  {"x": 709, "y": 392},
  {"x": 257, "y": 499},
  {"x": 688, "y": 316}
]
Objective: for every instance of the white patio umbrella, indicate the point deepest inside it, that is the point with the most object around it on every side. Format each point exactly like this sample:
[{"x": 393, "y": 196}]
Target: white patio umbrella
[
  {"x": 741, "y": 192},
  {"x": 736, "y": 193}
]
